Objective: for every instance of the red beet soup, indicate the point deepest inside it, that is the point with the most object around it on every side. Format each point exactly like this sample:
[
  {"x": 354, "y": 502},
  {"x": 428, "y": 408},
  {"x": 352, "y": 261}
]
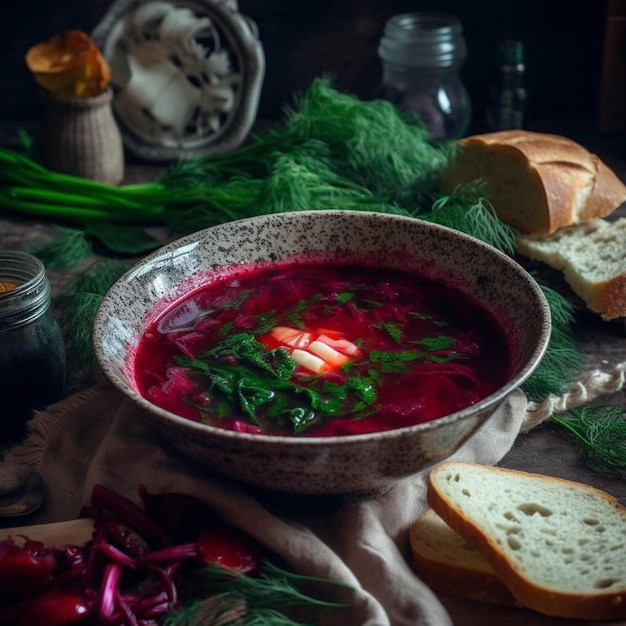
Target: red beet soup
[{"x": 317, "y": 349}]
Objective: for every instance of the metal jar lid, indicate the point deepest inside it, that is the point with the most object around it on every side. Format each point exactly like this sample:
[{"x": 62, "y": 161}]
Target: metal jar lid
[{"x": 30, "y": 298}]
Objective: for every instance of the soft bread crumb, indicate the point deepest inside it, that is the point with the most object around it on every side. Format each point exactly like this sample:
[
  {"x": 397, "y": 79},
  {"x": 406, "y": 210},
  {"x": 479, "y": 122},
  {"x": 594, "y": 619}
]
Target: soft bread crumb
[{"x": 592, "y": 258}]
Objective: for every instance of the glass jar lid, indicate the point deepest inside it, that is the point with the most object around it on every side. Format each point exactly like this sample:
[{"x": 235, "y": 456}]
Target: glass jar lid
[{"x": 423, "y": 40}]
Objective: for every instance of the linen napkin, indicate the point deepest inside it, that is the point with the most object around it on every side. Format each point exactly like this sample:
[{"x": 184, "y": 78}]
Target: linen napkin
[{"x": 99, "y": 436}]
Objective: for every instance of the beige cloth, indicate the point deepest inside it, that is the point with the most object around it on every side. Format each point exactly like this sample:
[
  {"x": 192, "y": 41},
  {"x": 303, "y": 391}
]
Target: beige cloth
[{"x": 98, "y": 436}]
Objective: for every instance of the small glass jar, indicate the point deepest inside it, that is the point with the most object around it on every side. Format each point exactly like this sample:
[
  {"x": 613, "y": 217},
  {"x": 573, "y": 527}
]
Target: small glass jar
[
  {"x": 32, "y": 351},
  {"x": 508, "y": 97},
  {"x": 421, "y": 55}
]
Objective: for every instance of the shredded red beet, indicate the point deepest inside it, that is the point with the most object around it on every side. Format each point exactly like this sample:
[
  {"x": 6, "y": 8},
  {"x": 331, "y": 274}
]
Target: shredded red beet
[{"x": 129, "y": 573}]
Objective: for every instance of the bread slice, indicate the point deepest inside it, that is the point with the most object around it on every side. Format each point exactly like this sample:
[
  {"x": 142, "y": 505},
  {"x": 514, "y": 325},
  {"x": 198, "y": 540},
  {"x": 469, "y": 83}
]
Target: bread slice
[
  {"x": 558, "y": 545},
  {"x": 592, "y": 257},
  {"x": 450, "y": 565},
  {"x": 537, "y": 182}
]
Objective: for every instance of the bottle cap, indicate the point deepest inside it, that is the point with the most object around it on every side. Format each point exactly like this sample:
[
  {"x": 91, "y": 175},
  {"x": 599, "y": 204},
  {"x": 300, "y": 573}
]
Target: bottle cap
[{"x": 423, "y": 40}]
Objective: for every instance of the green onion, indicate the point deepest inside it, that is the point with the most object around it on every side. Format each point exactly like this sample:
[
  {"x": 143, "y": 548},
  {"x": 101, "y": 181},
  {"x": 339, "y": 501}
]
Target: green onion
[{"x": 71, "y": 199}]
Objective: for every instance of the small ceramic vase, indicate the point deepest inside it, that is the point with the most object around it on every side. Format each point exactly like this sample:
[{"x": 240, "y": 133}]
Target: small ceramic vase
[{"x": 81, "y": 137}]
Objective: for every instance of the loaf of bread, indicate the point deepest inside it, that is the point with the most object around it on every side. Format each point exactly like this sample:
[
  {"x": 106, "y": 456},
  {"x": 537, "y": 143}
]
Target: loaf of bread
[
  {"x": 536, "y": 182},
  {"x": 592, "y": 257},
  {"x": 558, "y": 546},
  {"x": 450, "y": 565}
]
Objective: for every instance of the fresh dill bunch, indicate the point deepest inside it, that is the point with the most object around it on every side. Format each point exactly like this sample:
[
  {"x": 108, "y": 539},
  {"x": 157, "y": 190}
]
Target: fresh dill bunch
[
  {"x": 229, "y": 199},
  {"x": 467, "y": 210},
  {"x": 371, "y": 142},
  {"x": 562, "y": 360},
  {"x": 601, "y": 429},
  {"x": 66, "y": 248},
  {"x": 189, "y": 174},
  {"x": 300, "y": 181},
  {"x": 229, "y": 598},
  {"x": 253, "y": 159},
  {"x": 196, "y": 173}
]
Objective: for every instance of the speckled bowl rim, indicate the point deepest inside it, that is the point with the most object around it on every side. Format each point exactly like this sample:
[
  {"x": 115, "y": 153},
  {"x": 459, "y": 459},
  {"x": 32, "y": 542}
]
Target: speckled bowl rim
[{"x": 489, "y": 402}]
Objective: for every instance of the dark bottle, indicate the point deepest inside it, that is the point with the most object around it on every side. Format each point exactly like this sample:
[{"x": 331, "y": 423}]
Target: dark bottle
[
  {"x": 508, "y": 106},
  {"x": 32, "y": 351},
  {"x": 421, "y": 55}
]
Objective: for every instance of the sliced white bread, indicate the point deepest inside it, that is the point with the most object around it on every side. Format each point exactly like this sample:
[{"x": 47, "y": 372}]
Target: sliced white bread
[
  {"x": 450, "y": 565},
  {"x": 537, "y": 182},
  {"x": 558, "y": 545},
  {"x": 592, "y": 257}
]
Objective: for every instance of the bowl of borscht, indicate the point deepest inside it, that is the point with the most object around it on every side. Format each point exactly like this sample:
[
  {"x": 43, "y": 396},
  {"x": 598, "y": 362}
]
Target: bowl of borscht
[{"x": 321, "y": 352}]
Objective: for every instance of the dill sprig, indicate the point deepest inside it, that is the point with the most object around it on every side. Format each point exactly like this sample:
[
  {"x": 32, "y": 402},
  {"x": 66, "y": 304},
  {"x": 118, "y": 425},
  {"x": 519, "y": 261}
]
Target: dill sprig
[
  {"x": 467, "y": 210},
  {"x": 80, "y": 304},
  {"x": 66, "y": 248},
  {"x": 562, "y": 361},
  {"x": 300, "y": 182},
  {"x": 601, "y": 429},
  {"x": 230, "y": 598}
]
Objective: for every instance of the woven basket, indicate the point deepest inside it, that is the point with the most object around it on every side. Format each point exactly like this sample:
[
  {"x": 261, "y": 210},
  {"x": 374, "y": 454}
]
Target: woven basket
[{"x": 81, "y": 137}]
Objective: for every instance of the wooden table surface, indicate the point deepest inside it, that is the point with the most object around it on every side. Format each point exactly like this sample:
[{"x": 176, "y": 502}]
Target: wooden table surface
[{"x": 547, "y": 449}]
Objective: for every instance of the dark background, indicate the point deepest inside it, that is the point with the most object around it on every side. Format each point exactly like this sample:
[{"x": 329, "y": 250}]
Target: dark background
[{"x": 303, "y": 39}]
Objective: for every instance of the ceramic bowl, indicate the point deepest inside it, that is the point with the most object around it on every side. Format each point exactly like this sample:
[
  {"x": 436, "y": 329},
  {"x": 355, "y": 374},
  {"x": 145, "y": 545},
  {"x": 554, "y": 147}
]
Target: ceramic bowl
[{"x": 353, "y": 464}]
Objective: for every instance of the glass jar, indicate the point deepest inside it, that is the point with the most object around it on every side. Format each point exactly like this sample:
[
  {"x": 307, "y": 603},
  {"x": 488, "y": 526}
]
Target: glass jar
[
  {"x": 421, "y": 55},
  {"x": 32, "y": 351}
]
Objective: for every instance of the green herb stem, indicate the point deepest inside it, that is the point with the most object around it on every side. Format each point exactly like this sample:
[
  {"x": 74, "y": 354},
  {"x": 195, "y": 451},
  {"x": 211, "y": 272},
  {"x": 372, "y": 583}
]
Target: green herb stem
[
  {"x": 77, "y": 214},
  {"x": 81, "y": 187},
  {"x": 262, "y": 597},
  {"x": 66, "y": 198},
  {"x": 11, "y": 159}
]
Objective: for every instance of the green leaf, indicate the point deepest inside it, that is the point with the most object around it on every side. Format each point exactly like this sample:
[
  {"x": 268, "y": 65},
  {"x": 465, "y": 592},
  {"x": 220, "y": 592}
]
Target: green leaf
[
  {"x": 256, "y": 380},
  {"x": 123, "y": 239},
  {"x": 442, "y": 342},
  {"x": 345, "y": 297},
  {"x": 393, "y": 328}
]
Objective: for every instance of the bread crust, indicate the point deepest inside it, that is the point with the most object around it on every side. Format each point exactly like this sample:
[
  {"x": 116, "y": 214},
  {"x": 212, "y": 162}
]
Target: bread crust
[
  {"x": 609, "y": 604},
  {"x": 470, "y": 578},
  {"x": 558, "y": 182},
  {"x": 608, "y": 193}
]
